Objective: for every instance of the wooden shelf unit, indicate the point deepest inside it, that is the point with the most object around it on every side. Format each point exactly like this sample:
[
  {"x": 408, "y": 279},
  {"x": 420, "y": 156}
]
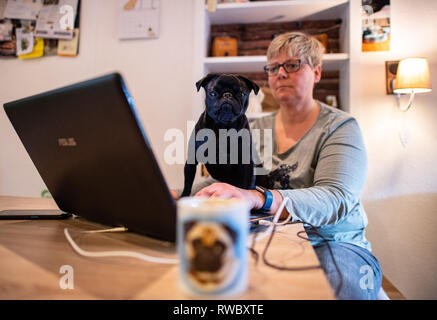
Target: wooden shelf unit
[{"x": 269, "y": 11}]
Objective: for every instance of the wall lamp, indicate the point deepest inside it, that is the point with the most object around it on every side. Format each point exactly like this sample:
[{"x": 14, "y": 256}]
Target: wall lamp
[
  {"x": 407, "y": 76},
  {"x": 412, "y": 76}
]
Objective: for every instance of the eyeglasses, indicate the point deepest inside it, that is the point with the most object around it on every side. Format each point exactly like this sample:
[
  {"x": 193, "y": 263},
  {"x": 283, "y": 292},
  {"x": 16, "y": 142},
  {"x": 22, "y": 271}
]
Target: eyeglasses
[{"x": 290, "y": 66}]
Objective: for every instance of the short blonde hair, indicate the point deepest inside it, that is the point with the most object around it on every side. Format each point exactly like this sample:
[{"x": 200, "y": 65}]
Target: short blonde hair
[{"x": 297, "y": 44}]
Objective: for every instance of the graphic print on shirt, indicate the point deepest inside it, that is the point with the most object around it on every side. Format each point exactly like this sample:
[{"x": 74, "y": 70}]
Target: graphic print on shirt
[{"x": 278, "y": 178}]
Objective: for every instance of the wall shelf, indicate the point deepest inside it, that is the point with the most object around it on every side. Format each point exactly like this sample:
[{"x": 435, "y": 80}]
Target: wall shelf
[
  {"x": 332, "y": 61},
  {"x": 276, "y": 11},
  {"x": 266, "y": 12}
]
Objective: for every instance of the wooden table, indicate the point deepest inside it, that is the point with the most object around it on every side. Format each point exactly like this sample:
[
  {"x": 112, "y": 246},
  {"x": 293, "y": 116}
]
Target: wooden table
[{"x": 32, "y": 253}]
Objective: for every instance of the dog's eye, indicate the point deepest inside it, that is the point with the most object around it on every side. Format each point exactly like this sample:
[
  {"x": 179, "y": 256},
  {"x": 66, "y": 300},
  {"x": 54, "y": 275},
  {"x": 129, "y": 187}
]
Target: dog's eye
[
  {"x": 218, "y": 248},
  {"x": 213, "y": 94},
  {"x": 243, "y": 94}
]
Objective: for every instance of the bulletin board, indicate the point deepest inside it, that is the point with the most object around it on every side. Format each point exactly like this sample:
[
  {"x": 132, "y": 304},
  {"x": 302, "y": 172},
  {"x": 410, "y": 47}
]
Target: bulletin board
[{"x": 39, "y": 28}]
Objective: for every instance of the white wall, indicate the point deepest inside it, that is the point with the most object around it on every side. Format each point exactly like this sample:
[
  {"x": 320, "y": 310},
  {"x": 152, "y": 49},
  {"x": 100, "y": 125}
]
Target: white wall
[
  {"x": 158, "y": 73},
  {"x": 400, "y": 196}
]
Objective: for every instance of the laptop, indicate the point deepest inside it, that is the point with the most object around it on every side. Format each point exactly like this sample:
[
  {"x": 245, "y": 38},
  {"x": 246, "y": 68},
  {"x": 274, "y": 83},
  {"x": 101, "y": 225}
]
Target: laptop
[
  {"x": 89, "y": 147},
  {"x": 91, "y": 150}
]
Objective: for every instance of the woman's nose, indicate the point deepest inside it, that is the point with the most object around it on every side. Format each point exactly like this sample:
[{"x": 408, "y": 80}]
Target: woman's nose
[{"x": 282, "y": 73}]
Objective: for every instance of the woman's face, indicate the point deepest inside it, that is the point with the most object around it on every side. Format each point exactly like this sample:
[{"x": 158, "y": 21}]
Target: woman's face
[{"x": 293, "y": 87}]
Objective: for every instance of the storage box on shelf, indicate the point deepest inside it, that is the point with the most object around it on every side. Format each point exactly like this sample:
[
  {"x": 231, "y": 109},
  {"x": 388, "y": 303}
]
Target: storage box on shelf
[{"x": 254, "y": 38}]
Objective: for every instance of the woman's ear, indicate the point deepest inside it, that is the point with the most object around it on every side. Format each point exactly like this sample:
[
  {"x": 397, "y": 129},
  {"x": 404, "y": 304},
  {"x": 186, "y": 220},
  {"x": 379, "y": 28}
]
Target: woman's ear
[{"x": 317, "y": 73}]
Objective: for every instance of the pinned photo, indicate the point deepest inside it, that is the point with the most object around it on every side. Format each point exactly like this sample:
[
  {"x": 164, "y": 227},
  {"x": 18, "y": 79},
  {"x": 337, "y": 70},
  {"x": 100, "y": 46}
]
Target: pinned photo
[{"x": 24, "y": 41}]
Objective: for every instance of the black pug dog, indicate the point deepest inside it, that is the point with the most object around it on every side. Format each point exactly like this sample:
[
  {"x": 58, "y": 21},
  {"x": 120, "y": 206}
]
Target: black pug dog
[{"x": 227, "y": 99}]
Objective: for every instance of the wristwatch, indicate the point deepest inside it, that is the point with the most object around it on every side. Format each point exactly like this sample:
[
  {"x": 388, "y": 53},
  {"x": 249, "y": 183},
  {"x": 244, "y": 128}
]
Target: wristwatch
[{"x": 269, "y": 199}]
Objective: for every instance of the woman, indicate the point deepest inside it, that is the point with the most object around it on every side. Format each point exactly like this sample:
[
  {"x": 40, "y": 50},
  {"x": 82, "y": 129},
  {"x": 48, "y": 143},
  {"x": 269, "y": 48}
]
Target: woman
[{"x": 319, "y": 163}]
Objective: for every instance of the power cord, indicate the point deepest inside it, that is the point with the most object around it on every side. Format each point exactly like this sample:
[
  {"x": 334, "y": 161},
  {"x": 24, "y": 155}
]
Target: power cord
[
  {"x": 272, "y": 223},
  {"x": 102, "y": 254}
]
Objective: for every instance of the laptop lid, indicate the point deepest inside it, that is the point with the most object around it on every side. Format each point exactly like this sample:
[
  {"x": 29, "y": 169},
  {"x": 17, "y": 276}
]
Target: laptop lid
[{"x": 88, "y": 145}]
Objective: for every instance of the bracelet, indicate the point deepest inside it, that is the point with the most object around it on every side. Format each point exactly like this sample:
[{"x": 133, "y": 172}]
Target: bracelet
[{"x": 269, "y": 199}]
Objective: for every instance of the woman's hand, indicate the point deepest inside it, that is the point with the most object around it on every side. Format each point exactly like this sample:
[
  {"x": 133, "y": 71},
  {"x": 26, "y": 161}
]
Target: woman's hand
[
  {"x": 254, "y": 198},
  {"x": 223, "y": 190}
]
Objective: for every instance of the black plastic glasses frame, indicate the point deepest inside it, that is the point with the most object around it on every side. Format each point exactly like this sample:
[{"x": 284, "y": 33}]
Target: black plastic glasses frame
[{"x": 268, "y": 68}]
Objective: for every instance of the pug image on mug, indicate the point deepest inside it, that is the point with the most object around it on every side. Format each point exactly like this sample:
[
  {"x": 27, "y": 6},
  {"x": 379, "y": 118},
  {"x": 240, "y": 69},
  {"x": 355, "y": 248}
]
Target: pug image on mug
[
  {"x": 211, "y": 254},
  {"x": 212, "y": 238}
]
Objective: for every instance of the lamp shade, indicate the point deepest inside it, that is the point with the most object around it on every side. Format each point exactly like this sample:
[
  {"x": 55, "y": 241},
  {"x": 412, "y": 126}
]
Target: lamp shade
[{"x": 412, "y": 75}]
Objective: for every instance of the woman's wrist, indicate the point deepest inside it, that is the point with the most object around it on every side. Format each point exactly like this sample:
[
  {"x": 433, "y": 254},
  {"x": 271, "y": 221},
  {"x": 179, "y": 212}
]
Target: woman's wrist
[
  {"x": 255, "y": 198},
  {"x": 277, "y": 201},
  {"x": 258, "y": 199}
]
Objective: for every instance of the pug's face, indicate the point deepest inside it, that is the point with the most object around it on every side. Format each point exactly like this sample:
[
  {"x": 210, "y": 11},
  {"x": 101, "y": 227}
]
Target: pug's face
[
  {"x": 227, "y": 96},
  {"x": 211, "y": 254}
]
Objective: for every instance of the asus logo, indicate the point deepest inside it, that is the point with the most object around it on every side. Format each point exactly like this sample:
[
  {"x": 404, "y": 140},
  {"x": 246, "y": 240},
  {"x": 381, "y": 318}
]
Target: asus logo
[{"x": 67, "y": 142}]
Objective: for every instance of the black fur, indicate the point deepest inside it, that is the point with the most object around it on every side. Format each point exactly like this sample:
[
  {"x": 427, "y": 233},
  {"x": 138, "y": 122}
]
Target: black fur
[{"x": 227, "y": 99}]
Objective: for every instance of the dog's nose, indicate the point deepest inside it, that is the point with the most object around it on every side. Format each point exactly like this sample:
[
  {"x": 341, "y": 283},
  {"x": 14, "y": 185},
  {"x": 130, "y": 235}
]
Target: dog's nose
[{"x": 227, "y": 95}]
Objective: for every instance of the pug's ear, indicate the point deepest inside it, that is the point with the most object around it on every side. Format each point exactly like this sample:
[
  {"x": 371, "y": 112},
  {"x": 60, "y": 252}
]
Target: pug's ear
[
  {"x": 250, "y": 84},
  {"x": 205, "y": 80}
]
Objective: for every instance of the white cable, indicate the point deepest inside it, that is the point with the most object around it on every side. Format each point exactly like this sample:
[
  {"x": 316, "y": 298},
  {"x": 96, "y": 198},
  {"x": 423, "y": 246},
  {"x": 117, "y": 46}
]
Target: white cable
[
  {"x": 274, "y": 222},
  {"x": 132, "y": 254},
  {"x": 278, "y": 214},
  {"x": 101, "y": 254},
  {"x": 119, "y": 229}
]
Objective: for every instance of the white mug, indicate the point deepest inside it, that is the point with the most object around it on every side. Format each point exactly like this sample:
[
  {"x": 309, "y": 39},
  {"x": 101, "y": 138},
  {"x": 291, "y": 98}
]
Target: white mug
[{"x": 212, "y": 246}]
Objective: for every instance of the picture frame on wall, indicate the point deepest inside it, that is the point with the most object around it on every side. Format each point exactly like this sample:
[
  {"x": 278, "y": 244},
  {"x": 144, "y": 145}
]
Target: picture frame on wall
[{"x": 49, "y": 38}]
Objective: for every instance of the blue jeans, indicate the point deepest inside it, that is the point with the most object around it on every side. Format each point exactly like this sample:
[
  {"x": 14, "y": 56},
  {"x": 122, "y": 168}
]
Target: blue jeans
[{"x": 360, "y": 273}]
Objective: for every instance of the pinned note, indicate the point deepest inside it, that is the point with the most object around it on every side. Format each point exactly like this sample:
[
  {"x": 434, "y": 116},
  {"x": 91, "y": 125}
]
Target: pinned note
[{"x": 138, "y": 19}]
